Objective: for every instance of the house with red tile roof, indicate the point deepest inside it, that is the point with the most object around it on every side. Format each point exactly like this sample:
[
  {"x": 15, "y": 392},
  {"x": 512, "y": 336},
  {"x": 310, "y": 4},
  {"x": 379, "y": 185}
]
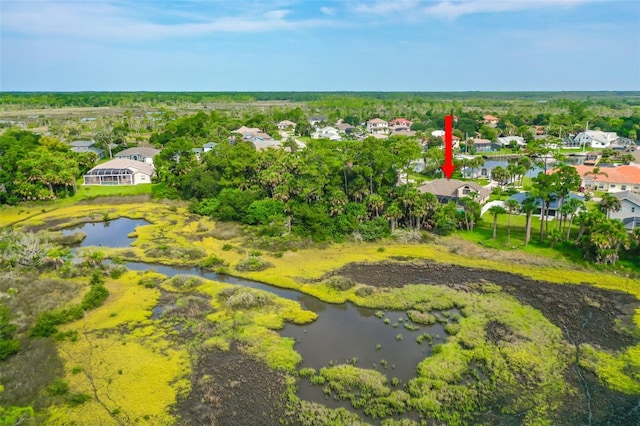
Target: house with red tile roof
[
  {"x": 400, "y": 122},
  {"x": 610, "y": 179}
]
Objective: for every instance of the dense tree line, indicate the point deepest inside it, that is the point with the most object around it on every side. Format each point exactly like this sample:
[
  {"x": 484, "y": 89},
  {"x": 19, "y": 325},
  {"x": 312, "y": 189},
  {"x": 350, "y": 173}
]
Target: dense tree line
[{"x": 35, "y": 167}]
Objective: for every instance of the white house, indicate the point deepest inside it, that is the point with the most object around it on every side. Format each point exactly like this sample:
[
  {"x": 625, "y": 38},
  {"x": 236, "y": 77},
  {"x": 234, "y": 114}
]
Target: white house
[
  {"x": 596, "y": 138},
  {"x": 327, "y": 133},
  {"x": 377, "y": 125},
  {"x": 119, "y": 172}
]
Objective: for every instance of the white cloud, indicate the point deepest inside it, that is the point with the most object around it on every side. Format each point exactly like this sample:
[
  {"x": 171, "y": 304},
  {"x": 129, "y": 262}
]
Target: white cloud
[
  {"x": 452, "y": 9},
  {"x": 124, "y": 22},
  {"x": 328, "y": 10}
]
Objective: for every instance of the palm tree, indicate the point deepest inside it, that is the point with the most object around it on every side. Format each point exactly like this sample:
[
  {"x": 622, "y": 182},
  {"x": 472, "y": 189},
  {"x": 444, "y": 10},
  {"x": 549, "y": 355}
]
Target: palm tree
[
  {"x": 393, "y": 213},
  {"x": 609, "y": 203},
  {"x": 529, "y": 205},
  {"x": 495, "y": 211},
  {"x": 512, "y": 207},
  {"x": 595, "y": 173},
  {"x": 570, "y": 208},
  {"x": 376, "y": 203}
]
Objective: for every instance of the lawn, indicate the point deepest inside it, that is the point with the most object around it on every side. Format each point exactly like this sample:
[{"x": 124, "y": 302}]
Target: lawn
[{"x": 483, "y": 233}]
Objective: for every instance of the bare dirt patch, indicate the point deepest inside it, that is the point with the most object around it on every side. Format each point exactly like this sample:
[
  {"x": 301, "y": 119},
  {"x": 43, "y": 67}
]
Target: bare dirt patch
[
  {"x": 583, "y": 312},
  {"x": 232, "y": 388}
]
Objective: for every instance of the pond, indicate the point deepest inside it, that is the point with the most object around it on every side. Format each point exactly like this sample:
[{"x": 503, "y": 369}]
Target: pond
[
  {"x": 113, "y": 233},
  {"x": 342, "y": 333}
]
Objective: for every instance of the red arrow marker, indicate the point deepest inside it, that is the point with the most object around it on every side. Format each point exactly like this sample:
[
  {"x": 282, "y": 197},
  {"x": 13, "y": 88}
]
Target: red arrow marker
[{"x": 448, "y": 167}]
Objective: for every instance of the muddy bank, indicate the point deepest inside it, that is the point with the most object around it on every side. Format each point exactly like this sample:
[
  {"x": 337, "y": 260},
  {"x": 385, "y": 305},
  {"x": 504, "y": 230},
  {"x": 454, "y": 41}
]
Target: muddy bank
[
  {"x": 584, "y": 313},
  {"x": 232, "y": 388}
]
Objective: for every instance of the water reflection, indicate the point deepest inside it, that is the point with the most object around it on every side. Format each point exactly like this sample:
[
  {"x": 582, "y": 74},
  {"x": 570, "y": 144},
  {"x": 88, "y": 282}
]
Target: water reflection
[{"x": 112, "y": 233}]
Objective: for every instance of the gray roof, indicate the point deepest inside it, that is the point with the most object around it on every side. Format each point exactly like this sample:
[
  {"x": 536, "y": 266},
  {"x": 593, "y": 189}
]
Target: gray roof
[
  {"x": 123, "y": 163},
  {"x": 629, "y": 196},
  {"x": 553, "y": 204},
  {"x": 449, "y": 187},
  {"x": 82, "y": 149},
  {"x": 79, "y": 144},
  {"x": 138, "y": 150},
  {"x": 210, "y": 145}
]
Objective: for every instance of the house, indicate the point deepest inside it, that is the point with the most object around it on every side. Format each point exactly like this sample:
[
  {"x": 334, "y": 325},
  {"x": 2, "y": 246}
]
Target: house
[
  {"x": 400, "y": 122},
  {"x": 327, "y": 132},
  {"x": 610, "y": 179},
  {"x": 490, "y": 120},
  {"x": 377, "y": 126},
  {"x": 592, "y": 158},
  {"x": 553, "y": 204},
  {"x": 629, "y": 212},
  {"x": 119, "y": 172},
  {"x": 482, "y": 145},
  {"x": 209, "y": 146},
  {"x": 247, "y": 132},
  {"x": 142, "y": 153},
  {"x": 635, "y": 152},
  {"x": 198, "y": 152},
  {"x": 455, "y": 141},
  {"x": 316, "y": 119},
  {"x": 596, "y": 138},
  {"x": 286, "y": 125},
  {"x": 507, "y": 141},
  {"x": 453, "y": 190},
  {"x": 86, "y": 146}
]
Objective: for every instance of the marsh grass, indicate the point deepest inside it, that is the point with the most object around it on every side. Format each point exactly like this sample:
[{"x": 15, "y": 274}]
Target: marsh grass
[
  {"x": 253, "y": 264},
  {"x": 227, "y": 231}
]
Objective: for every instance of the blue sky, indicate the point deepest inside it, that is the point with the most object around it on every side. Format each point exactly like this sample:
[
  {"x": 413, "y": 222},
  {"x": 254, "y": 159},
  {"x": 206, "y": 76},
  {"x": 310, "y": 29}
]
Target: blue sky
[{"x": 348, "y": 45}]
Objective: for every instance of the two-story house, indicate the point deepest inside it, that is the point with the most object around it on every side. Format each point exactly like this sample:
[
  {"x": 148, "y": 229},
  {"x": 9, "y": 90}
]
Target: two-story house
[
  {"x": 596, "y": 138},
  {"x": 629, "y": 212},
  {"x": 377, "y": 126}
]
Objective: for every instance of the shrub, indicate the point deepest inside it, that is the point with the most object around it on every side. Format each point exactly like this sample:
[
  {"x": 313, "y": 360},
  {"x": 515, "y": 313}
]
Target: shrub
[
  {"x": 116, "y": 271},
  {"x": 365, "y": 290},
  {"x": 340, "y": 283},
  {"x": 8, "y": 347},
  {"x": 95, "y": 297},
  {"x": 211, "y": 261},
  {"x": 149, "y": 282},
  {"x": 252, "y": 263},
  {"x": 59, "y": 387},
  {"x": 248, "y": 299},
  {"x": 79, "y": 398},
  {"x": 227, "y": 247},
  {"x": 206, "y": 207},
  {"x": 421, "y": 317},
  {"x": 407, "y": 235},
  {"x": 307, "y": 372},
  {"x": 185, "y": 282},
  {"x": 452, "y": 329},
  {"x": 375, "y": 229}
]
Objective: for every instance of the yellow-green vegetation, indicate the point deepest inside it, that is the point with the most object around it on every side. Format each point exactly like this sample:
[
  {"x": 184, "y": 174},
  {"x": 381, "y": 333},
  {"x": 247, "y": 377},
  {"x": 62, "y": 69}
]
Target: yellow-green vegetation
[
  {"x": 122, "y": 360},
  {"x": 251, "y": 317},
  {"x": 497, "y": 349},
  {"x": 621, "y": 372}
]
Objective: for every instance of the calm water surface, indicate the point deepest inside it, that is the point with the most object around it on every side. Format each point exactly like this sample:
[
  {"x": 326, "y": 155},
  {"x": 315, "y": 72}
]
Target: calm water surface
[
  {"x": 342, "y": 333},
  {"x": 107, "y": 234}
]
